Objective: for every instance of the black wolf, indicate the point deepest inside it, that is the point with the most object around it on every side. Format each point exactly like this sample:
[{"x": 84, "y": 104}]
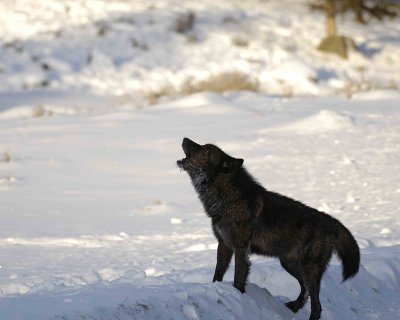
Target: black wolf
[{"x": 246, "y": 219}]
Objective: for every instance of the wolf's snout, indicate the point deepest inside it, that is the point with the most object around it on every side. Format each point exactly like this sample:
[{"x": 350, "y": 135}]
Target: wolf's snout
[
  {"x": 185, "y": 143},
  {"x": 185, "y": 146},
  {"x": 189, "y": 146}
]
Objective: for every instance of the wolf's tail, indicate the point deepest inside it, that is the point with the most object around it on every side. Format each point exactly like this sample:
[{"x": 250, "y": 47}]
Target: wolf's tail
[{"x": 347, "y": 249}]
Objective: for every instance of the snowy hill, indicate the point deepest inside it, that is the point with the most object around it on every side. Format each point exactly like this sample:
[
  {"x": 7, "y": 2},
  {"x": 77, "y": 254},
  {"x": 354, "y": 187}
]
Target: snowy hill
[
  {"x": 142, "y": 50},
  {"x": 96, "y": 220}
]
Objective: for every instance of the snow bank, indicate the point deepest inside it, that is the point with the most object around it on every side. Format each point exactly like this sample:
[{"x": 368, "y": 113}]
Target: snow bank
[
  {"x": 378, "y": 95},
  {"x": 323, "y": 121},
  {"x": 175, "y": 296}
]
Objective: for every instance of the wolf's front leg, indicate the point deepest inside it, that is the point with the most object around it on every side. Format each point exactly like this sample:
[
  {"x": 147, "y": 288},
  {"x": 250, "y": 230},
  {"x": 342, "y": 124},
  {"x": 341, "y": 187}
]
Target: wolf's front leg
[
  {"x": 224, "y": 256},
  {"x": 242, "y": 266}
]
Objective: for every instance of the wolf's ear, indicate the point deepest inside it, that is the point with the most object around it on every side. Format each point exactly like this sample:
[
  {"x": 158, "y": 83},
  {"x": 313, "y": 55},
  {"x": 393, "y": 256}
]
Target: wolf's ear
[{"x": 231, "y": 164}]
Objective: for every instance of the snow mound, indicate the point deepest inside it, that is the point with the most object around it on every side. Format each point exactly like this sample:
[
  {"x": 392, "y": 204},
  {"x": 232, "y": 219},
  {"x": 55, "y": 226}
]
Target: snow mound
[
  {"x": 324, "y": 120},
  {"x": 377, "y": 95},
  {"x": 190, "y": 301},
  {"x": 187, "y": 294}
]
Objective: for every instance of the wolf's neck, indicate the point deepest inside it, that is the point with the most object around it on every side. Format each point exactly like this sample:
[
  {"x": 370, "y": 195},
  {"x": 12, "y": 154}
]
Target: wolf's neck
[
  {"x": 199, "y": 181},
  {"x": 208, "y": 194}
]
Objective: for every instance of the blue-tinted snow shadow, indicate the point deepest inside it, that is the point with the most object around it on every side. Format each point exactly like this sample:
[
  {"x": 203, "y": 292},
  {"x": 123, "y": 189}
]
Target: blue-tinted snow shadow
[{"x": 40, "y": 97}]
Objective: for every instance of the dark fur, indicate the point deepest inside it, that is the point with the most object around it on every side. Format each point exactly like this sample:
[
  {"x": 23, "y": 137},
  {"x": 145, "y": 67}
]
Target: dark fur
[{"x": 246, "y": 218}]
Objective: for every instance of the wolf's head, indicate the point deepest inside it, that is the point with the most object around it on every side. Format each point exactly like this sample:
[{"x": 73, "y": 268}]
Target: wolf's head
[{"x": 206, "y": 160}]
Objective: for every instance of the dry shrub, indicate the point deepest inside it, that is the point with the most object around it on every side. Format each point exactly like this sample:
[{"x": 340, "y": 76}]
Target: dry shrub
[
  {"x": 39, "y": 111},
  {"x": 184, "y": 22},
  {"x": 392, "y": 85},
  {"x": 157, "y": 202},
  {"x": 230, "y": 20},
  {"x": 227, "y": 81},
  {"x": 239, "y": 41}
]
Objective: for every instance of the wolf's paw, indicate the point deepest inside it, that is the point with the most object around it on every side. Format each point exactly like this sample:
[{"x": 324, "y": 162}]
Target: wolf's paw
[
  {"x": 242, "y": 290},
  {"x": 293, "y": 305}
]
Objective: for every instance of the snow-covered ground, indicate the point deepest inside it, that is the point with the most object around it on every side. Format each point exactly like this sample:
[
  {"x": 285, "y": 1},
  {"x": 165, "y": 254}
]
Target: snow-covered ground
[{"x": 96, "y": 220}]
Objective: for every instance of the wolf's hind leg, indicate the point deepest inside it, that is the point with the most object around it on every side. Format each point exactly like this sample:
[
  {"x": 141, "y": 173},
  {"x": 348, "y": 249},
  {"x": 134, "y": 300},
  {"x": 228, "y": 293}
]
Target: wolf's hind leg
[
  {"x": 295, "y": 270},
  {"x": 313, "y": 277},
  {"x": 224, "y": 256}
]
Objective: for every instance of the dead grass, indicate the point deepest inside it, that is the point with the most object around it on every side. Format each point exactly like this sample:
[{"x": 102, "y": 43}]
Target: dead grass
[
  {"x": 364, "y": 85},
  {"x": 39, "y": 111},
  {"x": 154, "y": 96},
  {"x": 287, "y": 89},
  {"x": 227, "y": 81},
  {"x": 5, "y": 157},
  {"x": 230, "y": 20},
  {"x": 184, "y": 22},
  {"x": 192, "y": 39},
  {"x": 221, "y": 82}
]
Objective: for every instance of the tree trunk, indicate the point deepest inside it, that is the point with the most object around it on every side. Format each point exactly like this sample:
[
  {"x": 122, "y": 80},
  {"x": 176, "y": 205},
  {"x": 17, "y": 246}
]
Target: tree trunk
[
  {"x": 330, "y": 12},
  {"x": 358, "y": 10}
]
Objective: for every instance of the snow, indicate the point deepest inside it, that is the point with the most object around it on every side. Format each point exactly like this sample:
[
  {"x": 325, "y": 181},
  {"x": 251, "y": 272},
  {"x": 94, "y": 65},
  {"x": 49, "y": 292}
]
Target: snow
[
  {"x": 100, "y": 222},
  {"x": 96, "y": 220}
]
